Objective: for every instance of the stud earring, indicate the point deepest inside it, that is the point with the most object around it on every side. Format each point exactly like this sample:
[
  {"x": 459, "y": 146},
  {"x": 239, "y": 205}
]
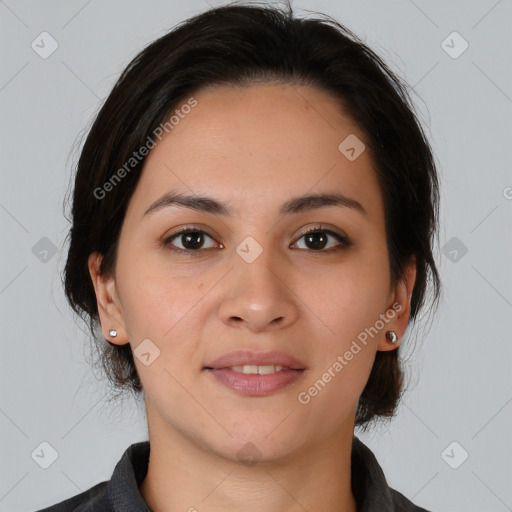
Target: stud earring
[
  {"x": 112, "y": 333},
  {"x": 391, "y": 336}
]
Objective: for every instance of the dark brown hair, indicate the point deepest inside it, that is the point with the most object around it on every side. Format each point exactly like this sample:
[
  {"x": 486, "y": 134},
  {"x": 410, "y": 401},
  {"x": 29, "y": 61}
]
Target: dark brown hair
[{"x": 235, "y": 46}]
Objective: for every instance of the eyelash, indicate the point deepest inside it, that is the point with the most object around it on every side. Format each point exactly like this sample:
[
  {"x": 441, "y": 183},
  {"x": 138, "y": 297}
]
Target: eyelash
[{"x": 345, "y": 242}]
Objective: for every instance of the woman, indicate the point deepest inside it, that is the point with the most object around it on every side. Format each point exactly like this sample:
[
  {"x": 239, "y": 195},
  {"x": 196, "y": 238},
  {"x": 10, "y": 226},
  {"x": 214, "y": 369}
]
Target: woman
[{"x": 253, "y": 218}]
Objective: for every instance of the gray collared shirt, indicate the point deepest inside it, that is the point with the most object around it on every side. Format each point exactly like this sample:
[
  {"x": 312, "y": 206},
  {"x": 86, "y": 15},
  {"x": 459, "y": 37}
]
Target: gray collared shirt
[{"x": 122, "y": 494}]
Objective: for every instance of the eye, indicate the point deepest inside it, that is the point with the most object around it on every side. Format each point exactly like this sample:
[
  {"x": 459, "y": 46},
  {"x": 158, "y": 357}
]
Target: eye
[
  {"x": 317, "y": 239},
  {"x": 188, "y": 240}
]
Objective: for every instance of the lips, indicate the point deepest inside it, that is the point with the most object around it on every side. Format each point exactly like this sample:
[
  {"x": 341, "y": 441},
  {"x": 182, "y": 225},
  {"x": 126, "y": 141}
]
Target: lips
[
  {"x": 242, "y": 358},
  {"x": 256, "y": 373}
]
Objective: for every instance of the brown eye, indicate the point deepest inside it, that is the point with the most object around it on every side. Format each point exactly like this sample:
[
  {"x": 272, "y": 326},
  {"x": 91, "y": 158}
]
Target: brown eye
[
  {"x": 188, "y": 240},
  {"x": 317, "y": 239}
]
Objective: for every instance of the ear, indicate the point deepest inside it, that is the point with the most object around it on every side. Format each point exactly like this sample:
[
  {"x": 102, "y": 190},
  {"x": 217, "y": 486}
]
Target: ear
[
  {"x": 399, "y": 308},
  {"x": 109, "y": 305}
]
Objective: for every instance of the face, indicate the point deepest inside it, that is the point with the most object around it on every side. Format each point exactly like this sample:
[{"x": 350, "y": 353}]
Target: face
[{"x": 246, "y": 276}]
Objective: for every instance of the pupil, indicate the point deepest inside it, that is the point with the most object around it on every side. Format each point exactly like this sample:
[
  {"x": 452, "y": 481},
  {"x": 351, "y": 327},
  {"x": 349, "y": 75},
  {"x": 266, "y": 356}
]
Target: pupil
[
  {"x": 313, "y": 238},
  {"x": 189, "y": 240}
]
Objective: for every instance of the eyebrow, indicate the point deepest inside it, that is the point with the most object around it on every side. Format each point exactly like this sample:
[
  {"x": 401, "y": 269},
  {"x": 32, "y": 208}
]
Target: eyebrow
[{"x": 293, "y": 206}]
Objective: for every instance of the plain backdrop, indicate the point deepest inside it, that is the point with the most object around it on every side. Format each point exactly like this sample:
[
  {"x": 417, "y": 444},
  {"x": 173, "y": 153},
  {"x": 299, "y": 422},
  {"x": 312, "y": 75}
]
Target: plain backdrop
[{"x": 449, "y": 449}]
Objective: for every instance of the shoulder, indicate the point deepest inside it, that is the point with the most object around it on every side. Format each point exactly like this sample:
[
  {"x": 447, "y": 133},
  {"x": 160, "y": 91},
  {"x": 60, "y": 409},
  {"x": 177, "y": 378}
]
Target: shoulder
[
  {"x": 121, "y": 492},
  {"x": 402, "y": 504},
  {"x": 370, "y": 486},
  {"x": 87, "y": 501}
]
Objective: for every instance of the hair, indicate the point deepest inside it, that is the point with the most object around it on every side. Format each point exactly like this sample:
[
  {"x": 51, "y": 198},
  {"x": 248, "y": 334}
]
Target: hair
[{"x": 239, "y": 46}]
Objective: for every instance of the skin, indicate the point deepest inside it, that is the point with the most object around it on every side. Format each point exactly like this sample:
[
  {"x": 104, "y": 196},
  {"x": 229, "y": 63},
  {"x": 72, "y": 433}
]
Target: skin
[{"x": 253, "y": 149}]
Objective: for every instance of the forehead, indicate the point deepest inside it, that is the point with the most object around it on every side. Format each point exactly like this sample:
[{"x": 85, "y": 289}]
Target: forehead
[{"x": 255, "y": 146}]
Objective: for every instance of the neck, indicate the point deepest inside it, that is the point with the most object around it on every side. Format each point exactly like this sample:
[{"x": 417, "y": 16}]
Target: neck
[{"x": 183, "y": 476}]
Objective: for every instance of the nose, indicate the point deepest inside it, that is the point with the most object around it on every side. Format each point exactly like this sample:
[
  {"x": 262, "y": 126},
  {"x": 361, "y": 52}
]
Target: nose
[{"x": 259, "y": 295}]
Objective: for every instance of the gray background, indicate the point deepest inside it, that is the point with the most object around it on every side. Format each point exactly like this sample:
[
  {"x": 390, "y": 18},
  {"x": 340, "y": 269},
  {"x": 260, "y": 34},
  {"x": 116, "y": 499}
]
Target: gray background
[{"x": 460, "y": 386}]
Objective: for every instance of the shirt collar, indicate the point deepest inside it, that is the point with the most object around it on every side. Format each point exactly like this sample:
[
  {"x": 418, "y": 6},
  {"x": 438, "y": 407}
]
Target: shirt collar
[{"x": 369, "y": 485}]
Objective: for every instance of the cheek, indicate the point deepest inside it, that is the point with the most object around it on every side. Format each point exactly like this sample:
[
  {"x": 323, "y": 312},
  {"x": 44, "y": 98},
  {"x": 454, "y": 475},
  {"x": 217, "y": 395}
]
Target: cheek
[
  {"x": 161, "y": 308},
  {"x": 154, "y": 296},
  {"x": 348, "y": 298},
  {"x": 348, "y": 302}
]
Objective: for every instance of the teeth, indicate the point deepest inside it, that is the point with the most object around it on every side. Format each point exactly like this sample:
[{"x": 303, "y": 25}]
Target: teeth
[{"x": 254, "y": 369}]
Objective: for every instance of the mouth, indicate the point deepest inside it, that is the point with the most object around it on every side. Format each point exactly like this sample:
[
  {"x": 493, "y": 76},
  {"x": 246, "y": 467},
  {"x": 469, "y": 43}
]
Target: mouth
[
  {"x": 250, "y": 361},
  {"x": 253, "y": 369},
  {"x": 255, "y": 373},
  {"x": 253, "y": 383}
]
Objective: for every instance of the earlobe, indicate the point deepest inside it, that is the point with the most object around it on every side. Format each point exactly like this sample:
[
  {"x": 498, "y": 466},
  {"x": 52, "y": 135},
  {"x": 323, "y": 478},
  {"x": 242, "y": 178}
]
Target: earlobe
[
  {"x": 399, "y": 310},
  {"x": 109, "y": 306}
]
